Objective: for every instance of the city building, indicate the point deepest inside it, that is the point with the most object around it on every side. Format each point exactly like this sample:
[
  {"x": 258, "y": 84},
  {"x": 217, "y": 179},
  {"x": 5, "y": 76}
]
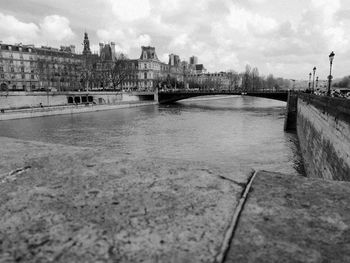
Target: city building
[
  {"x": 29, "y": 68},
  {"x": 57, "y": 69},
  {"x": 217, "y": 80},
  {"x": 193, "y": 60},
  {"x": 151, "y": 70},
  {"x": 17, "y": 68}
]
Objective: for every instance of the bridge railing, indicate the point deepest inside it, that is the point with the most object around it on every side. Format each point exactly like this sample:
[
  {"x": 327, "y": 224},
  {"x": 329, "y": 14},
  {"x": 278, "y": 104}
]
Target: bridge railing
[{"x": 210, "y": 91}]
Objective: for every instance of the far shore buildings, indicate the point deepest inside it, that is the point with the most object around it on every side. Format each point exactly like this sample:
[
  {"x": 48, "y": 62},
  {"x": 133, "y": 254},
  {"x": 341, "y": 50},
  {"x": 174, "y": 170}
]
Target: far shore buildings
[{"x": 29, "y": 68}]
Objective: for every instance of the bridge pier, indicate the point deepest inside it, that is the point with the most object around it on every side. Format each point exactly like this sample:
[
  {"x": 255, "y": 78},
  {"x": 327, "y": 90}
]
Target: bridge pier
[
  {"x": 156, "y": 96},
  {"x": 290, "y": 121}
]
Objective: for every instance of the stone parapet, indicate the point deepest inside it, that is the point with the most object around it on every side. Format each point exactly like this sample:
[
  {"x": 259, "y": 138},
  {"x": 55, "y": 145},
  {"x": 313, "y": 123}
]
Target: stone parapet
[
  {"x": 293, "y": 219},
  {"x": 323, "y": 127}
]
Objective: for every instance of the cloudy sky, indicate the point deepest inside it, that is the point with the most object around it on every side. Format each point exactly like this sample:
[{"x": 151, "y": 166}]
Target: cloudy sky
[{"x": 284, "y": 37}]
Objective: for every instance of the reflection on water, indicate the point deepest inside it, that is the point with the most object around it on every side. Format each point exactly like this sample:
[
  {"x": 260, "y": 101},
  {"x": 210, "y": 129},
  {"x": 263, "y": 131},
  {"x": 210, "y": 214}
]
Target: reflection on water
[{"x": 233, "y": 131}]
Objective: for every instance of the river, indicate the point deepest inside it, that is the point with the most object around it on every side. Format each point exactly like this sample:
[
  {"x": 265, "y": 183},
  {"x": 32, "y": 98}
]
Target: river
[{"x": 233, "y": 131}]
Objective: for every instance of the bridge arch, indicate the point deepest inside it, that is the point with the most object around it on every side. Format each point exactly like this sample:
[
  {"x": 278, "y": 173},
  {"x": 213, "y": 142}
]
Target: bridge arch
[
  {"x": 3, "y": 87},
  {"x": 166, "y": 97}
]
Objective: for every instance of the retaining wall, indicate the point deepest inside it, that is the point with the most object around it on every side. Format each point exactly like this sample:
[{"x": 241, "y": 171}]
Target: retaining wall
[
  {"x": 16, "y": 100},
  {"x": 323, "y": 127},
  {"x": 71, "y": 109}
]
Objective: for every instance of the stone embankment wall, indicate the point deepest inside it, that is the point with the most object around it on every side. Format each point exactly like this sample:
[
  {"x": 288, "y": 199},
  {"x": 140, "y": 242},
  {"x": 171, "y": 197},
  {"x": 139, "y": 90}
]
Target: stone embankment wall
[
  {"x": 323, "y": 127},
  {"x": 17, "y": 100}
]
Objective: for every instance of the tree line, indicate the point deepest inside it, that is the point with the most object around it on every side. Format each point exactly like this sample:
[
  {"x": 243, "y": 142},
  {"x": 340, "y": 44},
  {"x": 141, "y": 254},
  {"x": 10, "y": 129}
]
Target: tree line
[
  {"x": 251, "y": 80},
  {"x": 343, "y": 83}
]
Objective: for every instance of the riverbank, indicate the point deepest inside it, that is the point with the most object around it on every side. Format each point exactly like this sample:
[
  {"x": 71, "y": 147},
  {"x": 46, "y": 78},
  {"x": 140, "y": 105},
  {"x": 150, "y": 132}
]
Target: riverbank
[
  {"x": 73, "y": 204},
  {"x": 68, "y": 109}
]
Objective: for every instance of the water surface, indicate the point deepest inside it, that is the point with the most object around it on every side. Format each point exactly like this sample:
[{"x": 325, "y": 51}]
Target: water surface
[{"x": 234, "y": 131}]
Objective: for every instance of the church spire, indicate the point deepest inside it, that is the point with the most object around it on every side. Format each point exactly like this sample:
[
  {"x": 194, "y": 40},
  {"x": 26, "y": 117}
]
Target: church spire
[{"x": 86, "y": 44}]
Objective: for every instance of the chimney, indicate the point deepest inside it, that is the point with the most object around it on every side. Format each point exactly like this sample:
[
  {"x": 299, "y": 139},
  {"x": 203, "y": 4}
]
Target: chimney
[
  {"x": 113, "y": 50},
  {"x": 101, "y": 47},
  {"x": 72, "y": 49}
]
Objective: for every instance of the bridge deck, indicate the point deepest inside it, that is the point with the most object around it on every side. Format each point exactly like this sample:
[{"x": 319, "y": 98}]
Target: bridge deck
[{"x": 173, "y": 96}]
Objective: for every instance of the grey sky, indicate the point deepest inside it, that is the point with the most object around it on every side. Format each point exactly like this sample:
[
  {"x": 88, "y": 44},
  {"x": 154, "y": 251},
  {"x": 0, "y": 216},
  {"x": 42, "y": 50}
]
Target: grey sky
[{"x": 285, "y": 38}]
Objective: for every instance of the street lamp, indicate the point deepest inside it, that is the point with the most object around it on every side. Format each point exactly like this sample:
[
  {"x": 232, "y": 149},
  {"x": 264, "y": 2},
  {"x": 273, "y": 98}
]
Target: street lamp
[
  {"x": 313, "y": 80},
  {"x": 309, "y": 81},
  {"x": 331, "y": 57},
  {"x": 316, "y": 82}
]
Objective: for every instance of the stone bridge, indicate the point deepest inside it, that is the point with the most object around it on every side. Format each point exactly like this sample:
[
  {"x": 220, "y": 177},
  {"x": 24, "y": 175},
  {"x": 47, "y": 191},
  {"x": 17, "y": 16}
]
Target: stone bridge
[{"x": 176, "y": 95}]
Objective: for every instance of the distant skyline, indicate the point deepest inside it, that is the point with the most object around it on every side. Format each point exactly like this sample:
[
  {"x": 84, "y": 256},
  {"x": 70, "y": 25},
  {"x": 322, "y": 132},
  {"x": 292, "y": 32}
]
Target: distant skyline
[{"x": 284, "y": 37}]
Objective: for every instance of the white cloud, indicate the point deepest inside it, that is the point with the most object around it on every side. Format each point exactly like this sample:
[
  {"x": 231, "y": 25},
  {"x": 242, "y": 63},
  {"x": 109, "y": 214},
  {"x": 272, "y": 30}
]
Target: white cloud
[
  {"x": 12, "y": 30},
  {"x": 245, "y": 21},
  {"x": 51, "y": 29},
  {"x": 125, "y": 39},
  {"x": 143, "y": 40},
  {"x": 280, "y": 37},
  {"x": 129, "y": 10},
  {"x": 180, "y": 41},
  {"x": 56, "y": 28}
]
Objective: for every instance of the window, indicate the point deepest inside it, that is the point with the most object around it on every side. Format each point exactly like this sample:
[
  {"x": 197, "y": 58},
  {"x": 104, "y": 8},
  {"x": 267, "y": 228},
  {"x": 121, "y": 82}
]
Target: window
[
  {"x": 145, "y": 75},
  {"x": 22, "y": 69},
  {"x": 12, "y": 70},
  {"x": 2, "y": 69},
  {"x": 2, "y": 76},
  {"x": 23, "y": 76},
  {"x": 145, "y": 65},
  {"x": 32, "y": 76}
]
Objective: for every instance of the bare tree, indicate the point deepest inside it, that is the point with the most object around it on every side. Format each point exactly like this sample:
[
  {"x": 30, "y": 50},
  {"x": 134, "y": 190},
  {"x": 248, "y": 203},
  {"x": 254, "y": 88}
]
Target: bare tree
[
  {"x": 246, "y": 79},
  {"x": 108, "y": 74},
  {"x": 270, "y": 82},
  {"x": 255, "y": 79},
  {"x": 234, "y": 78}
]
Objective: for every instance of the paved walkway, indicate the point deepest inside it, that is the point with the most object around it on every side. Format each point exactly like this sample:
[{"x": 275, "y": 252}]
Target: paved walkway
[
  {"x": 293, "y": 219},
  {"x": 71, "y": 204}
]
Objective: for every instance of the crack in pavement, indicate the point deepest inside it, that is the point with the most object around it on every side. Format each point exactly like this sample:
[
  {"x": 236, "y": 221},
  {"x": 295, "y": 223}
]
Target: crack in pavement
[{"x": 11, "y": 176}]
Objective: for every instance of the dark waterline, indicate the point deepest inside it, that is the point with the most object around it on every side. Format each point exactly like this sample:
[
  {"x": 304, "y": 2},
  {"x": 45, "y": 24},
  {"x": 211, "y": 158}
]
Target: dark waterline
[{"x": 235, "y": 131}]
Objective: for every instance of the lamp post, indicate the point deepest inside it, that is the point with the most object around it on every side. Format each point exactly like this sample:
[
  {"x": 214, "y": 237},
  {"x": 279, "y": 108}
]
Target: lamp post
[
  {"x": 309, "y": 81},
  {"x": 331, "y": 57},
  {"x": 313, "y": 80},
  {"x": 316, "y": 82}
]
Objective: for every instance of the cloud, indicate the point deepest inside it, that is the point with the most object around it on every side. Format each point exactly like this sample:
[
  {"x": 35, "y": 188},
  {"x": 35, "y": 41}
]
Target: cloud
[
  {"x": 50, "y": 30},
  {"x": 56, "y": 28},
  {"x": 286, "y": 38},
  {"x": 129, "y": 10},
  {"x": 12, "y": 30},
  {"x": 248, "y": 22},
  {"x": 126, "y": 39}
]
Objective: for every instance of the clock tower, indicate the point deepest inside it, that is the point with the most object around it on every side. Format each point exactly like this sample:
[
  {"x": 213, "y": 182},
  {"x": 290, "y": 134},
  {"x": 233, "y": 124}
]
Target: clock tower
[{"x": 86, "y": 44}]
